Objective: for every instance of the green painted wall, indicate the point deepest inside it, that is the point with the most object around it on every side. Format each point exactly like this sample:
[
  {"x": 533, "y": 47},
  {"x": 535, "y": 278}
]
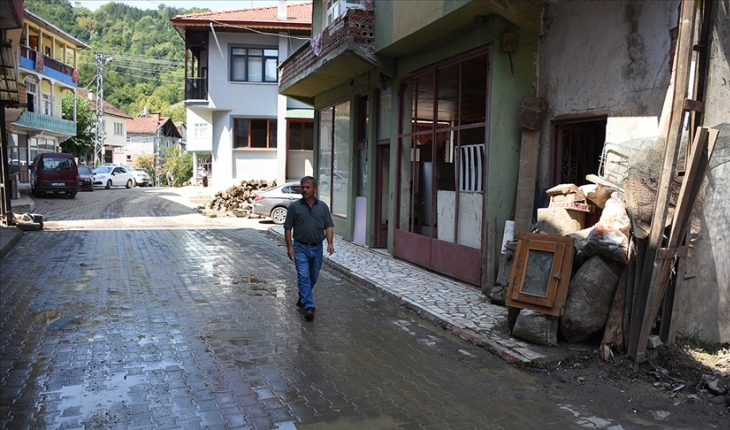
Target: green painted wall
[{"x": 507, "y": 90}]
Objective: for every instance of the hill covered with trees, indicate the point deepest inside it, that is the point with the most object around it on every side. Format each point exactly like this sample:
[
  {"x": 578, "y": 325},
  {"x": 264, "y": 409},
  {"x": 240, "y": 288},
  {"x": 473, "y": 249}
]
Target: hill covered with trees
[{"x": 146, "y": 69}]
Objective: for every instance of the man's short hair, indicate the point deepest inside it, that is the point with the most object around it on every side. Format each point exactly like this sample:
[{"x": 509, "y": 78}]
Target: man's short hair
[{"x": 309, "y": 179}]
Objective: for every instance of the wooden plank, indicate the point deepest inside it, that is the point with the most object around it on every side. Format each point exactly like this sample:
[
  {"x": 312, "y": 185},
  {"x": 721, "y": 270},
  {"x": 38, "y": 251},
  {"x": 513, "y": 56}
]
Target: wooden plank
[
  {"x": 489, "y": 270},
  {"x": 640, "y": 335},
  {"x": 525, "y": 201}
]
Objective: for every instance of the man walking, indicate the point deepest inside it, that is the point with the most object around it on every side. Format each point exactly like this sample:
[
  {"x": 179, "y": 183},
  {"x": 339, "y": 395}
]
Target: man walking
[{"x": 312, "y": 223}]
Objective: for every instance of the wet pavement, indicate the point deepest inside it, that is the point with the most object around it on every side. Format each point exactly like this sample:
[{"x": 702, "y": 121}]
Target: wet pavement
[{"x": 132, "y": 311}]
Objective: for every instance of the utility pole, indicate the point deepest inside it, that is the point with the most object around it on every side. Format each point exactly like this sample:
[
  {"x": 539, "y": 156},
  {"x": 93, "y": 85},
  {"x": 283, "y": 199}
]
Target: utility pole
[{"x": 101, "y": 61}]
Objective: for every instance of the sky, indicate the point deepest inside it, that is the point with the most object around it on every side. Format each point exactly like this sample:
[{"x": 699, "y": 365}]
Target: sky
[{"x": 187, "y": 4}]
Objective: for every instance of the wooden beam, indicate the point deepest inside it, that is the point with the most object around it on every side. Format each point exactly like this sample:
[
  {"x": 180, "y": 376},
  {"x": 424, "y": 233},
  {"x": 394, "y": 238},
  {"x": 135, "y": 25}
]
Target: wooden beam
[
  {"x": 639, "y": 336},
  {"x": 525, "y": 199}
]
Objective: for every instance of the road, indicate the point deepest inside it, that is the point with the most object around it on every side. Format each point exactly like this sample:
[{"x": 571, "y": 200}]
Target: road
[{"x": 130, "y": 310}]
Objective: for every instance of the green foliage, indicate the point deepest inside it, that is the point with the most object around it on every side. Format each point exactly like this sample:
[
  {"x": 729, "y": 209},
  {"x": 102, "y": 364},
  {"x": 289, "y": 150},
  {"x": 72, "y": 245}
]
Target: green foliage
[
  {"x": 83, "y": 143},
  {"x": 180, "y": 164},
  {"x": 146, "y": 162},
  {"x": 146, "y": 69}
]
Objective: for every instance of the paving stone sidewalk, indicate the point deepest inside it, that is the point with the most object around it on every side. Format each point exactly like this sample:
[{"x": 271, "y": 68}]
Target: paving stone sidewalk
[{"x": 459, "y": 308}]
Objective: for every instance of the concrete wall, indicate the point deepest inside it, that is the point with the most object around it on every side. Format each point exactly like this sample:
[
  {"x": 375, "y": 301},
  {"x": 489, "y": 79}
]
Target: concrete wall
[
  {"x": 613, "y": 59},
  {"x": 604, "y": 58},
  {"x": 702, "y": 300}
]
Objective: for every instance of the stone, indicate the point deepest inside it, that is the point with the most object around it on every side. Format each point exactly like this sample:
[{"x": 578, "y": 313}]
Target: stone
[
  {"x": 715, "y": 384},
  {"x": 536, "y": 327},
  {"x": 653, "y": 341}
]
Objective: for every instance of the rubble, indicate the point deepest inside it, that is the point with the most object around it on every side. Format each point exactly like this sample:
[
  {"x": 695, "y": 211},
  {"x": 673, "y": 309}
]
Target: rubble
[{"x": 238, "y": 199}]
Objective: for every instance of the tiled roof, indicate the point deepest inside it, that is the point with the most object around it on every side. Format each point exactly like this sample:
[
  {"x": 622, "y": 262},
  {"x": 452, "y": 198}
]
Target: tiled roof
[
  {"x": 298, "y": 13},
  {"x": 109, "y": 108},
  {"x": 146, "y": 124}
]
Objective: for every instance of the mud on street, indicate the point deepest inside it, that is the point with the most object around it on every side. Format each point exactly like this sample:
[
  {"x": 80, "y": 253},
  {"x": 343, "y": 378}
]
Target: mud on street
[{"x": 130, "y": 310}]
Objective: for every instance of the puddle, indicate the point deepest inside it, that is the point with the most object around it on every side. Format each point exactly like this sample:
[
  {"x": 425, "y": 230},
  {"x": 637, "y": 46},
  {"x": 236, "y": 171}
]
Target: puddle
[
  {"x": 591, "y": 422},
  {"x": 88, "y": 401},
  {"x": 234, "y": 337}
]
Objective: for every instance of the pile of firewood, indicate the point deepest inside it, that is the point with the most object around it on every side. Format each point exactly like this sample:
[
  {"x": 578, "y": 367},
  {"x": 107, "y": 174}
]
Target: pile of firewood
[{"x": 239, "y": 198}]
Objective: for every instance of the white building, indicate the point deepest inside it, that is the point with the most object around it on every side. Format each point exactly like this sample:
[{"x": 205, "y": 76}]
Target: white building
[{"x": 240, "y": 127}]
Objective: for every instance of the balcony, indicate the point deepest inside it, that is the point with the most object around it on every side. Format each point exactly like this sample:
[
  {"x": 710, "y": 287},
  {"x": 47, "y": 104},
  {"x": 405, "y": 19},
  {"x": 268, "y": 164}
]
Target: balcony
[
  {"x": 344, "y": 50},
  {"x": 58, "y": 127},
  {"x": 196, "y": 89},
  {"x": 33, "y": 60}
]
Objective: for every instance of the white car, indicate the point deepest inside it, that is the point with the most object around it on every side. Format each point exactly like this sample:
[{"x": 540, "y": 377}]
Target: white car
[
  {"x": 141, "y": 177},
  {"x": 113, "y": 176}
]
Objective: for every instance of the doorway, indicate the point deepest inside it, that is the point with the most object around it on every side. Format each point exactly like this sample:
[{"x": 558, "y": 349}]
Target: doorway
[{"x": 576, "y": 145}]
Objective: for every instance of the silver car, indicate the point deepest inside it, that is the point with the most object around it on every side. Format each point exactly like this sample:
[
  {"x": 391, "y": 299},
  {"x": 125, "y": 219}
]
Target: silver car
[{"x": 274, "y": 202}]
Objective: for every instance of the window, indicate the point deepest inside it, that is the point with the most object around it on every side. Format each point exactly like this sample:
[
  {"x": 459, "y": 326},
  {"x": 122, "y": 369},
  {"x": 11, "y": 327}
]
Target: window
[
  {"x": 200, "y": 130},
  {"x": 46, "y": 105},
  {"x": 301, "y": 135},
  {"x": 334, "y": 158},
  {"x": 254, "y": 133},
  {"x": 254, "y": 64},
  {"x": 118, "y": 129},
  {"x": 118, "y": 150}
]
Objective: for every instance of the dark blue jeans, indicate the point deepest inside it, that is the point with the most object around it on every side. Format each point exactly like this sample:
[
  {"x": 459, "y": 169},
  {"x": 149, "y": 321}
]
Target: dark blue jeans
[{"x": 308, "y": 261}]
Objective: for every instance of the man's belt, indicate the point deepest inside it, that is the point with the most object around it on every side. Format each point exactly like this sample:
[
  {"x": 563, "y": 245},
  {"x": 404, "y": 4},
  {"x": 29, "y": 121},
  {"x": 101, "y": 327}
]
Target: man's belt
[{"x": 309, "y": 243}]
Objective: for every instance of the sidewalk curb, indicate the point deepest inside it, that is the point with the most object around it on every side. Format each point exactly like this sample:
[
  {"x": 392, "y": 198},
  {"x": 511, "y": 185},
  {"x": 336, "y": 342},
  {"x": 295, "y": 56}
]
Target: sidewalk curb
[
  {"x": 508, "y": 354},
  {"x": 9, "y": 237}
]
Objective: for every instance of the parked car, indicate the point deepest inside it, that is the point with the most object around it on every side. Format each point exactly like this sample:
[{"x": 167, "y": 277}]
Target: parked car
[
  {"x": 274, "y": 202},
  {"x": 141, "y": 177},
  {"x": 113, "y": 176},
  {"x": 86, "y": 181},
  {"x": 54, "y": 172}
]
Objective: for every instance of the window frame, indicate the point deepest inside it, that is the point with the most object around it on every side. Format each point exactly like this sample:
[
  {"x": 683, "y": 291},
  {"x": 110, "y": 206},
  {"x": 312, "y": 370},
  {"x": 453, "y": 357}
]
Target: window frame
[
  {"x": 302, "y": 123},
  {"x": 271, "y": 124},
  {"x": 247, "y": 64}
]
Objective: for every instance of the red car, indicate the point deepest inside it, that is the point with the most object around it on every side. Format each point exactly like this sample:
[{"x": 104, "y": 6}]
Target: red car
[{"x": 86, "y": 182}]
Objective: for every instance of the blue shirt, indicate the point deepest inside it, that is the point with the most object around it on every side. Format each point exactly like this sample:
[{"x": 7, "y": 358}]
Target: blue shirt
[{"x": 309, "y": 224}]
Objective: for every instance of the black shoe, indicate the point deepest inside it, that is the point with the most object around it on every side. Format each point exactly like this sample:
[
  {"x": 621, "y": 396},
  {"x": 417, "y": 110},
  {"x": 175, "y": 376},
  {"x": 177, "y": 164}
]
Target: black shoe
[
  {"x": 299, "y": 303},
  {"x": 309, "y": 314}
]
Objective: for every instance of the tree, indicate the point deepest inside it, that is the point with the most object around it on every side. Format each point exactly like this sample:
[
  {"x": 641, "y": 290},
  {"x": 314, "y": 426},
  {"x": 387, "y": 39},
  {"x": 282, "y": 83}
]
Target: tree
[
  {"x": 180, "y": 164},
  {"x": 84, "y": 142}
]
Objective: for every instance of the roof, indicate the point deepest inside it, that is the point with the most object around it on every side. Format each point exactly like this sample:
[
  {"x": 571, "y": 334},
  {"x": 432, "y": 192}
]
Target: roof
[
  {"x": 109, "y": 109},
  {"x": 299, "y": 17},
  {"x": 146, "y": 124}
]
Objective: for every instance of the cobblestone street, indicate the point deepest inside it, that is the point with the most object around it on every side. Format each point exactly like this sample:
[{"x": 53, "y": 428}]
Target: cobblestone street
[{"x": 130, "y": 310}]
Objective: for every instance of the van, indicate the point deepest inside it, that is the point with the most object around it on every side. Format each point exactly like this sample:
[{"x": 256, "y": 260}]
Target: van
[{"x": 54, "y": 172}]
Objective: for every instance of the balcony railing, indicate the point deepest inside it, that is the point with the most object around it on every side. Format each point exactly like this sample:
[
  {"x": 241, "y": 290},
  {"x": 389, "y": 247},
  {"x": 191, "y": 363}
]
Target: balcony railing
[
  {"x": 352, "y": 31},
  {"x": 47, "y": 123},
  {"x": 48, "y": 66},
  {"x": 196, "y": 89}
]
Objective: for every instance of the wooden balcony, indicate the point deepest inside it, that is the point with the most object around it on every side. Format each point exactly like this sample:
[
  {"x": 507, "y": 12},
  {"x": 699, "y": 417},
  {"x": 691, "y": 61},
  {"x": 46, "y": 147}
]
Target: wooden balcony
[
  {"x": 344, "y": 50},
  {"x": 34, "y": 60}
]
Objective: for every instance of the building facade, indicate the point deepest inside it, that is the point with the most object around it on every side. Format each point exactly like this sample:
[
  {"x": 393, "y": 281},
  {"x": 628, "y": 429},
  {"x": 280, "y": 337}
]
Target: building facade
[
  {"x": 418, "y": 141},
  {"x": 115, "y": 129},
  {"x": 240, "y": 127},
  {"x": 47, "y": 68},
  {"x": 150, "y": 134}
]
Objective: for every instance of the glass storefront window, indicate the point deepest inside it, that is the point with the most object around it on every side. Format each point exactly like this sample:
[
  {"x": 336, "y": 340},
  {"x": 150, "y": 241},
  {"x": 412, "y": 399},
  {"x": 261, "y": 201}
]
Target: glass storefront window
[{"x": 334, "y": 158}]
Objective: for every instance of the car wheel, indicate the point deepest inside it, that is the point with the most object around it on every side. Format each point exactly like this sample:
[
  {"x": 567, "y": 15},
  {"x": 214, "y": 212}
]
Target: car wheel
[
  {"x": 73, "y": 194},
  {"x": 108, "y": 184},
  {"x": 278, "y": 215},
  {"x": 92, "y": 189},
  {"x": 129, "y": 183}
]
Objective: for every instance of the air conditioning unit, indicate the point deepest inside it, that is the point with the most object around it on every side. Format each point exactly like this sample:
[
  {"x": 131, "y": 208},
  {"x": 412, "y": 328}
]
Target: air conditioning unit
[{"x": 337, "y": 8}]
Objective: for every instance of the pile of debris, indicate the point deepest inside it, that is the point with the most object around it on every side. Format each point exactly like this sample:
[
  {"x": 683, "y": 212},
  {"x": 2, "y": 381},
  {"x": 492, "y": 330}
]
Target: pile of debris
[{"x": 238, "y": 199}]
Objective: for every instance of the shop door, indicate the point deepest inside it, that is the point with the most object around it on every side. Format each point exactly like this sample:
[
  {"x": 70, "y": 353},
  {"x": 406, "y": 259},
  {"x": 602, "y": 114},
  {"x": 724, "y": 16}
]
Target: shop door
[{"x": 382, "y": 185}]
